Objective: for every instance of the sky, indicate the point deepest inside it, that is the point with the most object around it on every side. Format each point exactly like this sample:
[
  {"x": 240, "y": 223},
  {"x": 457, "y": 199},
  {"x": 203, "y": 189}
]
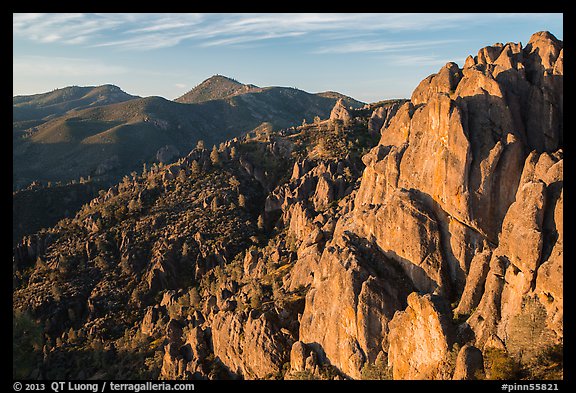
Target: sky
[{"x": 367, "y": 56}]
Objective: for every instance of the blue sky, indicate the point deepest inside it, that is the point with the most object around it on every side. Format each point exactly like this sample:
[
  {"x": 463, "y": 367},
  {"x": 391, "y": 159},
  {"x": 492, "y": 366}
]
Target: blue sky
[{"x": 367, "y": 56}]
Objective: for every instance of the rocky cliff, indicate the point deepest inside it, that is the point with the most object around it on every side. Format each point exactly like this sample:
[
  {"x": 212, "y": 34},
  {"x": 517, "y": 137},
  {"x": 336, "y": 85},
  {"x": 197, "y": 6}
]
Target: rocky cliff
[{"x": 464, "y": 194}]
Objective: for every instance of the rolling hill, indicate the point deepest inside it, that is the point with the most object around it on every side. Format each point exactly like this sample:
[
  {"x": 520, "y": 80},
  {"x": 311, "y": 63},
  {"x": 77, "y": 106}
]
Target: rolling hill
[
  {"x": 112, "y": 140},
  {"x": 28, "y": 111}
]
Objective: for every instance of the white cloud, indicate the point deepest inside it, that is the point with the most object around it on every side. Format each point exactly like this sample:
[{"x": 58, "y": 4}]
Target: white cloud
[
  {"x": 50, "y": 38},
  {"x": 77, "y": 40},
  {"x": 180, "y": 85}
]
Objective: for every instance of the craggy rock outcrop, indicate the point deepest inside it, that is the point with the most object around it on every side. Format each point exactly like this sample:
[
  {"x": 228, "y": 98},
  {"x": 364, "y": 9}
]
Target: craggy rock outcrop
[
  {"x": 150, "y": 320},
  {"x": 30, "y": 247},
  {"x": 185, "y": 351},
  {"x": 524, "y": 315},
  {"x": 249, "y": 346},
  {"x": 305, "y": 205},
  {"x": 340, "y": 112},
  {"x": 461, "y": 144},
  {"x": 464, "y": 195},
  {"x": 474, "y": 287},
  {"x": 406, "y": 231},
  {"x": 445, "y": 81},
  {"x": 314, "y": 184},
  {"x": 377, "y": 119},
  {"x": 369, "y": 288},
  {"x": 381, "y": 117},
  {"x": 281, "y": 262}
]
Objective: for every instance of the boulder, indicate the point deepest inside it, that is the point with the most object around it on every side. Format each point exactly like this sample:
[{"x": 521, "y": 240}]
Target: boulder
[
  {"x": 252, "y": 347},
  {"x": 475, "y": 282},
  {"x": 167, "y": 154},
  {"x": 376, "y": 120},
  {"x": 406, "y": 231},
  {"x": 469, "y": 363},
  {"x": 250, "y": 261},
  {"x": 340, "y": 112},
  {"x": 148, "y": 325},
  {"x": 324, "y": 193},
  {"x": 420, "y": 339},
  {"x": 445, "y": 81},
  {"x": 298, "y": 356}
]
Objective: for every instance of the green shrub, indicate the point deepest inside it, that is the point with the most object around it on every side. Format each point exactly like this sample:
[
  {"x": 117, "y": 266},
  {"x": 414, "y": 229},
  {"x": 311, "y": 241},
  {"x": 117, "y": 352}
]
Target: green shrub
[
  {"x": 328, "y": 372},
  {"x": 499, "y": 365},
  {"x": 377, "y": 371},
  {"x": 291, "y": 243},
  {"x": 303, "y": 375},
  {"x": 26, "y": 345},
  {"x": 452, "y": 357},
  {"x": 195, "y": 298},
  {"x": 256, "y": 295},
  {"x": 548, "y": 365}
]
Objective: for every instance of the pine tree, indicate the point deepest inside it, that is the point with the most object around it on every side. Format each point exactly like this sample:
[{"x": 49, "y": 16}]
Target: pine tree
[
  {"x": 182, "y": 176},
  {"x": 256, "y": 297},
  {"x": 207, "y": 165},
  {"x": 233, "y": 181},
  {"x": 195, "y": 168},
  {"x": 134, "y": 205},
  {"x": 185, "y": 249},
  {"x": 336, "y": 126},
  {"x": 241, "y": 200},
  {"x": 194, "y": 297},
  {"x": 26, "y": 344},
  {"x": 214, "y": 156}
]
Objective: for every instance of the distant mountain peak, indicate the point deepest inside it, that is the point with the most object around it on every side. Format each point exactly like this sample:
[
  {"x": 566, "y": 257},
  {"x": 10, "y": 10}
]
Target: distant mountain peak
[
  {"x": 218, "y": 78},
  {"x": 215, "y": 88},
  {"x": 348, "y": 101}
]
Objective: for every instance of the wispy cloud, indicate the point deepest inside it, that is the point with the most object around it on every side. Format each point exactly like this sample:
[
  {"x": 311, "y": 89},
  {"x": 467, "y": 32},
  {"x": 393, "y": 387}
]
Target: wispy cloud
[
  {"x": 325, "y": 33},
  {"x": 63, "y": 27},
  {"x": 167, "y": 22},
  {"x": 416, "y": 60},
  {"x": 381, "y": 46},
  {"x": 251, "y": 38},
  {"x": 153, "y": 31}
]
